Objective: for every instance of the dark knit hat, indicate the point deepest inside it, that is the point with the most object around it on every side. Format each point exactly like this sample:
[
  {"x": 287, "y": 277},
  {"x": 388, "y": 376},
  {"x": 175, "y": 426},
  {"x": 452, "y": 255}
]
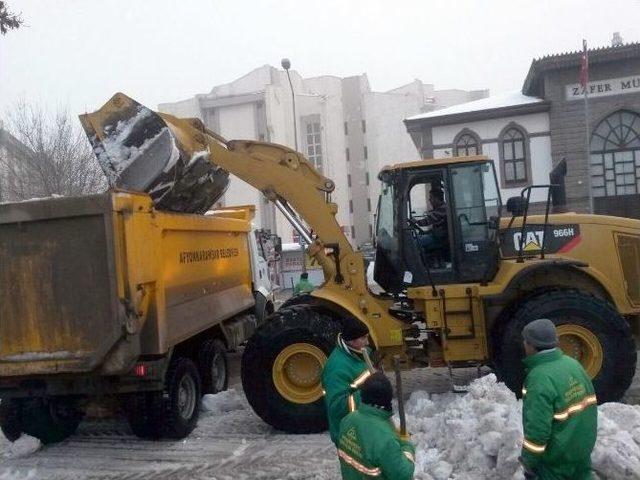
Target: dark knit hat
[
  {"x": 541, "y": 334},
  {"x": 377, "y": 391},
  {"x": 353, "y": 329}
]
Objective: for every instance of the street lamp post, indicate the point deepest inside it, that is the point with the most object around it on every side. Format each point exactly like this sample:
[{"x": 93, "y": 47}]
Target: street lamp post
[{"x": 286, "y": 64}]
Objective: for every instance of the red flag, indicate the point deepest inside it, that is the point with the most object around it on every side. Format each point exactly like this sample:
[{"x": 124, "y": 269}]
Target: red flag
[{"x": 584, "y": 66}]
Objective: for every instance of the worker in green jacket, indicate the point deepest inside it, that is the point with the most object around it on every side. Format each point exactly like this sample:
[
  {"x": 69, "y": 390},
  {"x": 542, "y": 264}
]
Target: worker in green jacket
[
  {"x": 559, "y": 412},
  {"x": 368, "y": 444},
  {"x": 303, "y": 285},
  {"x": 344, "y": 373}
]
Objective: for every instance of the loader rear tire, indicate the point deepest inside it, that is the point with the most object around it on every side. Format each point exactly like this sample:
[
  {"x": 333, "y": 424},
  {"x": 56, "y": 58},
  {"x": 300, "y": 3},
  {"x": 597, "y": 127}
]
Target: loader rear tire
[
  {"x": 589, "y": 328},
  {"x": 282, "y": 367}
]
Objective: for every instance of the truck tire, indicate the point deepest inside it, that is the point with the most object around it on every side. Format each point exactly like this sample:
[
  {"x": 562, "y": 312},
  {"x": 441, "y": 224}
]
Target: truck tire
[
  {"x": 182, "y": 402},
  {"x": 282, "y": 367},
  {"x": 213, "y": 365},
  {"x": 10, "y": 419},
  {"x": 589, "y": 329},
  {"x": 172, "y": 413},
  {"x": 50, "y": 420},
  {"x": 144, "y": 414}
]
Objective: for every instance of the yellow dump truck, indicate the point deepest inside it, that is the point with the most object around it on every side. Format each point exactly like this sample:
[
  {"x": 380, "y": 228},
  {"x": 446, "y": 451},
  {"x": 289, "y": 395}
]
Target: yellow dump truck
[{"x": 106, "y": 295}]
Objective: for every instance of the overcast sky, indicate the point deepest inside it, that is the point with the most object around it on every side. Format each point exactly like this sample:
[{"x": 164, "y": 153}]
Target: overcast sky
[{"x": 79, "y": 52}]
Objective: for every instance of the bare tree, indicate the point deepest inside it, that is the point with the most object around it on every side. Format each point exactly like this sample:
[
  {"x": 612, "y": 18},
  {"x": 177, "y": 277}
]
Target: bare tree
[
  {"x": 48, "y": 154},
  {"x": 8, "y": 19}
]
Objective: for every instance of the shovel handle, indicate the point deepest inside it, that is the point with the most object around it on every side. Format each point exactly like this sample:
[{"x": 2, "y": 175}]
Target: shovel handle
[{"x": 401, "y": 414}]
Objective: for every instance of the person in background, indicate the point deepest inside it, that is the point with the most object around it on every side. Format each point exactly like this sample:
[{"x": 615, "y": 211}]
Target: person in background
[
  {"x": 303, "y": 285},
  {"x": 344, "y": 373},
  {"x": 559, "y": 412},
  {"x": 368, "y": 444}
]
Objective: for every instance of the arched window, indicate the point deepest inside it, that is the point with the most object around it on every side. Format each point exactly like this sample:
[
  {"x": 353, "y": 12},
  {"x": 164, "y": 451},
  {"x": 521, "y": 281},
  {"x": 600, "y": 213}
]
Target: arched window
[
  {"x": 515, "y": 166},
  {"x": 615, "y": 155},
  {"x": 466, "y": 145}
]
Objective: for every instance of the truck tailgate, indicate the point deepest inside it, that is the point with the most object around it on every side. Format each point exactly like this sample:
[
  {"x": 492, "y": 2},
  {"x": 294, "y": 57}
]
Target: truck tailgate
[{"x": 58, "y": 301}]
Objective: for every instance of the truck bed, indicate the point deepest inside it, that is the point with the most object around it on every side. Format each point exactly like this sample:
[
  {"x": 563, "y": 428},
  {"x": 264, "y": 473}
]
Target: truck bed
[{"x": 58, "y": 302}]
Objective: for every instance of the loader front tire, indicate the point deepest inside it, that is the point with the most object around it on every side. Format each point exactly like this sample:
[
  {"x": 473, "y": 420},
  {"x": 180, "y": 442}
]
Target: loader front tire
[
  {"x": 589, "y": 329},
  {"x": 282, "y": 368}
]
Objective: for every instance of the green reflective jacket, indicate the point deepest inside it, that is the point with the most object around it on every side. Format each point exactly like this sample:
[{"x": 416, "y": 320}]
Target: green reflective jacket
[
  {"x": 559, "y": 417},
  {"x": 369, "y": 447},
  {"x": 303, "y": 286},
  {"x": 342, "y": 369}
]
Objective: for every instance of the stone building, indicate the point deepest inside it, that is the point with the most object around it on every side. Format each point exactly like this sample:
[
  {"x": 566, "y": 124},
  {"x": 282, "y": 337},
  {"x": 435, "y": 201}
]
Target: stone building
[
  {"x": 529, "y": 131},
  {"x": 347, "y": 130}
]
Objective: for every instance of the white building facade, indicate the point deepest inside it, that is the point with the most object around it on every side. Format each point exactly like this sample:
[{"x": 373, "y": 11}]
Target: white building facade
[
  {"x": 530, "y": 131},
  {"x": 512, "y": 129},
  {"x": 344, "y": 128}
]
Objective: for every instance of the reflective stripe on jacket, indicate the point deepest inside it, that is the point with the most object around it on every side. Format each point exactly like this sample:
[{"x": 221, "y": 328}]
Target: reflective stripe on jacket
[
  {"x": 559, "y": 417},
  {"x": 342, "y": 376},
  {"x": 369, "y": 447}
]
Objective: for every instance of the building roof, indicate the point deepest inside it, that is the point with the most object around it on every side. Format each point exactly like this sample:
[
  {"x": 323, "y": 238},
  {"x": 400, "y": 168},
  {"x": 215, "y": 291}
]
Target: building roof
[
  {"x": 430, "y": 162},
  {"x": 511, "y": 103},
  {"x": 533, "y": 82}
]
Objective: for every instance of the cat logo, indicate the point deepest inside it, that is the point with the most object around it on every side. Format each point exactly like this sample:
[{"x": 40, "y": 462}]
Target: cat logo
[{"x": 533, "y": 241}]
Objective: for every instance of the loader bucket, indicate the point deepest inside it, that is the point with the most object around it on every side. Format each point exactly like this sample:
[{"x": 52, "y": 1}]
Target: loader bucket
[{"x": 137, "y": 151}]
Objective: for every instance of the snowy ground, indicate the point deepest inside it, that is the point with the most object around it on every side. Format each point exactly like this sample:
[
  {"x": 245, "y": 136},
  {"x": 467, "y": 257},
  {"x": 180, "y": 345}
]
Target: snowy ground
[{"x": 460, "y": 436}]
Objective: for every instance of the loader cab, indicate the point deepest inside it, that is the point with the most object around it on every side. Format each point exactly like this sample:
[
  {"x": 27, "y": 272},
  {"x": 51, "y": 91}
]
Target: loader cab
[{"x": 437, "y": 222}]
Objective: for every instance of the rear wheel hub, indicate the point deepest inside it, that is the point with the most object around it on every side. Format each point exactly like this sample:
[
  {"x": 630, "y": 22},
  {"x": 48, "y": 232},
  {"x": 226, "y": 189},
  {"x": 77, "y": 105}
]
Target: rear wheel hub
[{"x": 583, "y": 345}]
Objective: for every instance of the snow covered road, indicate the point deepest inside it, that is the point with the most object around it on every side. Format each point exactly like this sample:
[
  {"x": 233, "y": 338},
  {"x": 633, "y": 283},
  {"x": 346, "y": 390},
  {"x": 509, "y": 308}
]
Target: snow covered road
[{"x": 231, "y": 442}]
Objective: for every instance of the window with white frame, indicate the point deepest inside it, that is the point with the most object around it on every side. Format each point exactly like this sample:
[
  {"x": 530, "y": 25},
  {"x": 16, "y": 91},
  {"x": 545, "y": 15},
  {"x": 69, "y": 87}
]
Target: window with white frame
[
  {"x": 313, "y": 135},
  {"x": 615, "y": 155}
]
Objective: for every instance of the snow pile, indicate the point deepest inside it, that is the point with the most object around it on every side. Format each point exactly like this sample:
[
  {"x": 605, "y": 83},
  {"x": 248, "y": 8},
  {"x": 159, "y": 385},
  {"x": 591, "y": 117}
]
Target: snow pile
[
  {"x": 617, "y": 451},
  {"x": 223, "y": 402},
  {"x": 18, "y": 475},
  {"x": 467, "y": 436},
  {"x": 24, "y": 446},
  {"x": 479, "y": 435}
]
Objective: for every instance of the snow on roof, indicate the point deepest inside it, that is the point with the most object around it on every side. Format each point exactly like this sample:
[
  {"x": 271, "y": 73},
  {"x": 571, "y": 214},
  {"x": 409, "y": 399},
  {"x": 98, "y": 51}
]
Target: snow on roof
[
  {"x": 290, "y": 247},
  {"x": 510, "y": 99}
]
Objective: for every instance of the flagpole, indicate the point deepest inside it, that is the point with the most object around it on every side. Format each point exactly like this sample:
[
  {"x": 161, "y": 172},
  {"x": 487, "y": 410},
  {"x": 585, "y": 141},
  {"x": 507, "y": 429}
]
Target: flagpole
[{"x": 585, "y": 66}]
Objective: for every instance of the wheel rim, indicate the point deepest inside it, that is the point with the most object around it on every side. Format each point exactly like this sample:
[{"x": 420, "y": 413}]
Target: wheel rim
[
  {"x": 297, "y": 373},
  {"x": 186, "y": 397},
  {"x": 583, "y": 345},
  {"x": 218, "y": 372}
]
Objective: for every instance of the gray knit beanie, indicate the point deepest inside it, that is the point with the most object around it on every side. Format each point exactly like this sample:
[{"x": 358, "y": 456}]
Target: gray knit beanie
[{"x": 541, "y": 334}]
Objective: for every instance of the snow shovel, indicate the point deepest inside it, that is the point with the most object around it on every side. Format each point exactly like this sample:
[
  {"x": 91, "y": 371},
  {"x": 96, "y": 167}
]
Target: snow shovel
[
  {"x": 401, "y": 414},
  {"x": 137, "y": 151}
]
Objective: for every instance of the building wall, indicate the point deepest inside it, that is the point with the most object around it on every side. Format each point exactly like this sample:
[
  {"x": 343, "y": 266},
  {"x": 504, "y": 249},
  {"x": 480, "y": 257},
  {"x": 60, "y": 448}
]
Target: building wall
[
  {"x": 258, "y": 106},
  {"x": 568, "y": 130},
  {"x": 535, "y": 126}
]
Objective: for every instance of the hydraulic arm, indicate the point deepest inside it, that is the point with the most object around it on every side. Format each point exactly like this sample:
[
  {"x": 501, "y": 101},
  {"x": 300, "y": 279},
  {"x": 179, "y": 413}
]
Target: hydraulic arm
[{"x": 284, "y": 176}]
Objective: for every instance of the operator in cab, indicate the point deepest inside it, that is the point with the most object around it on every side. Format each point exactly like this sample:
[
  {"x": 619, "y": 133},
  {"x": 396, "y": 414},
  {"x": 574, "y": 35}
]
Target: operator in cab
[
  {"x": 368, "y": 444},
  {"x": 436, "y": 220},
  {"x": 344, "y": 373},
  {"x": 559, "y": 412}
]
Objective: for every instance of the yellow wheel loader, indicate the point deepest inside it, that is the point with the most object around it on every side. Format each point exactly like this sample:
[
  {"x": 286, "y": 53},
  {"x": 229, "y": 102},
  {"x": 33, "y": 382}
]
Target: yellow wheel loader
[{"x": 457, "y": 298}]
